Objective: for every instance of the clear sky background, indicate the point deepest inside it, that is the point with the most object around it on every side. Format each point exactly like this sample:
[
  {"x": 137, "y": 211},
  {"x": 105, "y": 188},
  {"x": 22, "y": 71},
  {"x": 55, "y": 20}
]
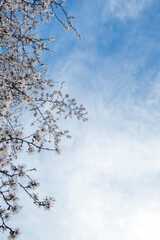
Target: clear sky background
[{"x": 107, "y": 180}]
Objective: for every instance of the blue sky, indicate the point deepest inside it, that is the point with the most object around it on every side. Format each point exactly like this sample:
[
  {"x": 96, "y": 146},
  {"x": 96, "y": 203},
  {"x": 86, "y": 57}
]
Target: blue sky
[{"x": 106, "y": 182}]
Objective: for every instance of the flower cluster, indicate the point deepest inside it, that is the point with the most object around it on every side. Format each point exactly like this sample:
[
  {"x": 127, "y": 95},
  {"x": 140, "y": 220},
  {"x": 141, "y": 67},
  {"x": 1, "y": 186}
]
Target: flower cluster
[{"x": 24, "y": 87}]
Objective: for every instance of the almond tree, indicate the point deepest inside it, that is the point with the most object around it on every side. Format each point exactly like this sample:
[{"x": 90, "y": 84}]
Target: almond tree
[{"x": 25, "y": 88}]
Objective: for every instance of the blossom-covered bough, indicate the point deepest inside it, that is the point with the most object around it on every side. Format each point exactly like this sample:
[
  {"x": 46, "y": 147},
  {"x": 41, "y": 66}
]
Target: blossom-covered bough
[{"x": 24, "y": 87}]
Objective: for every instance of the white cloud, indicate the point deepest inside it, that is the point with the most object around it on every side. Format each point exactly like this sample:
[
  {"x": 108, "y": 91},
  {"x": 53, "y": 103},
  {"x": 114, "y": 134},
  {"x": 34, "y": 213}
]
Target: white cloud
[
  {"x": 106, "y": 183},
  {"x": 125, "y": 8}
]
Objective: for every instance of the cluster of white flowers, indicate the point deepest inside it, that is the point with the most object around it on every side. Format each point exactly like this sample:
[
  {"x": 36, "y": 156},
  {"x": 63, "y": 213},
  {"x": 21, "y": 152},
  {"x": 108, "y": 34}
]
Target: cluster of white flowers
[{"x": 24, "y": 87}]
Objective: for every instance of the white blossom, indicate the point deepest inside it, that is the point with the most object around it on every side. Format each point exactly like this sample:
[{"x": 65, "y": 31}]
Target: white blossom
[{"x": 26, "y": 90}]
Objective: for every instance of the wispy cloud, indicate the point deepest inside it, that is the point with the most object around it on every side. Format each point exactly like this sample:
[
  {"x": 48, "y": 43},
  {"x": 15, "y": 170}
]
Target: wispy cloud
[
  {"x": 124, "y": 9},
  {"x": 106, "y": 183}
]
